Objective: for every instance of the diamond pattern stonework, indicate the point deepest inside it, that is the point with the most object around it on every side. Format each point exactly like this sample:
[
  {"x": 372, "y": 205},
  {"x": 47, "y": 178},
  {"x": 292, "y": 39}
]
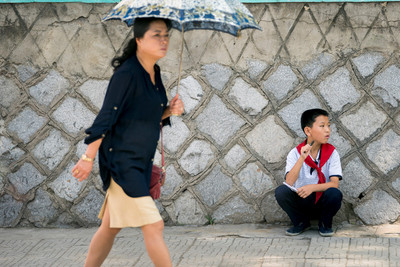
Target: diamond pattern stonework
[
  {"x": 51, "y": 150},
  {"x": 218, "y": 121},
  {"x": 243, "y": 100},
  {"x": 26, "y": 124},
  {"x": 358, "y": 123}
]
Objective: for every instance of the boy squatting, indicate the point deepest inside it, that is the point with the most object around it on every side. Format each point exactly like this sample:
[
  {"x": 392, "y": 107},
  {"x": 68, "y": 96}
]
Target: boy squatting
[{"x": 313, "y": 169}]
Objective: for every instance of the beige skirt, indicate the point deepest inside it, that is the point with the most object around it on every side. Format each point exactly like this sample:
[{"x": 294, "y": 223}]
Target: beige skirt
[{"x": 126, "y": 211}]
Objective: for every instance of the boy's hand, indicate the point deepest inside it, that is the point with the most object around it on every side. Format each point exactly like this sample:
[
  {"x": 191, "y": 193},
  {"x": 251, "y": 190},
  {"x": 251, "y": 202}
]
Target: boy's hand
[
  {"x": 305, "y": 191},
  {"x": 82, "y": 170},
  {"x": 305, "y": 151}
]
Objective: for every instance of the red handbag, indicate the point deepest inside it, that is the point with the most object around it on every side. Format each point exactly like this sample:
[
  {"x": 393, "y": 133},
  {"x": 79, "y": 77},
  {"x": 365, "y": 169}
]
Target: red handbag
[{"x": 158, "y": 175}]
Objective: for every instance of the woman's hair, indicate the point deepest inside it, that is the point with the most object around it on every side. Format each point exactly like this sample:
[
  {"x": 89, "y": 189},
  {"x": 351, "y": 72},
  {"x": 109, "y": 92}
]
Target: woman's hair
[
  {"x": 140, "y": 27},
  {"x": 308, "y": 117}
]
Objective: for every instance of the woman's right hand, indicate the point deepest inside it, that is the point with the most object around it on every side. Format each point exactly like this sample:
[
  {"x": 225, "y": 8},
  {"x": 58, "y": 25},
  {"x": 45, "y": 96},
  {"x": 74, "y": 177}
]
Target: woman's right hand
[
  {"x": 176, "y": 106},
  {"x": 82, "y": 170}
]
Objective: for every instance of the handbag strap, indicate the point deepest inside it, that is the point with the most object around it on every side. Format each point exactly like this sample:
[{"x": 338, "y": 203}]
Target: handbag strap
[{"x": 162, "y": 151}]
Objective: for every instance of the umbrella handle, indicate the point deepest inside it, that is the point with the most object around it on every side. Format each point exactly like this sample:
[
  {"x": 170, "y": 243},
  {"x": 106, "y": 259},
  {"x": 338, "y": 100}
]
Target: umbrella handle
[{"x": 180, "y": 63}]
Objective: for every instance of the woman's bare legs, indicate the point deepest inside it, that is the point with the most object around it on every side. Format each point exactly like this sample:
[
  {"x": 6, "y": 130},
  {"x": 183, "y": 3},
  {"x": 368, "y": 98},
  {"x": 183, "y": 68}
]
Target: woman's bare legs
[
  {"x": 102, "y": 242},
  {"x": 155, "y": 245}
]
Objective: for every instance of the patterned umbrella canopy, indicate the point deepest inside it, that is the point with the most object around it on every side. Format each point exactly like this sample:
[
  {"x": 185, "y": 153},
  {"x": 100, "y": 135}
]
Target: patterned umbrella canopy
[{"x": 228, "y": 16}]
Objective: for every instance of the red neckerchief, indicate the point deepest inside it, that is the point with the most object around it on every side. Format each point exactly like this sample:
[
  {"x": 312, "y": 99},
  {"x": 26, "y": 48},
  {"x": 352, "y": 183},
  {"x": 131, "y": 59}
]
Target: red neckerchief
[{"x": 325, "y": 154}]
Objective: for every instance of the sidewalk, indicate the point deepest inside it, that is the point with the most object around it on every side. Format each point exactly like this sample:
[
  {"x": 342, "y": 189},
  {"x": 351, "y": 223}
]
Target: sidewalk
[{"x": 216, "y": 245}]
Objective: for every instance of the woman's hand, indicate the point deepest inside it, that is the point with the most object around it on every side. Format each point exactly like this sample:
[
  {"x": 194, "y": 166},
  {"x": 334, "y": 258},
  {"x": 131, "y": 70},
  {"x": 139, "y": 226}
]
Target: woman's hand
[
  {"x": 82, "y": 170},
  {"x": 176, "y": 106}
]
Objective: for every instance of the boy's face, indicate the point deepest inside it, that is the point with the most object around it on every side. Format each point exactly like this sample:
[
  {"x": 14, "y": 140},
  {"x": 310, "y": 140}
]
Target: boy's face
[{"x": 320, "y": 131}]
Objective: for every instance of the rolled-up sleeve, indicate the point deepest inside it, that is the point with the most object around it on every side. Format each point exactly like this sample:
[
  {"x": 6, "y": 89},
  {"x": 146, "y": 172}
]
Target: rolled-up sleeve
[
  {"x": 166, "y": 121},
  {"x": 113, "y": 104},
  {"x": 335, "y": 167}
]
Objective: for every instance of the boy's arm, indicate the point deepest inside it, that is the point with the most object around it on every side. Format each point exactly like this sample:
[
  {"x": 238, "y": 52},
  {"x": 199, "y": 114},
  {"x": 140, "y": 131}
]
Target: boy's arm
[
  {"x": 307, "y": 190},
  {"x": 293, "y": 174}
]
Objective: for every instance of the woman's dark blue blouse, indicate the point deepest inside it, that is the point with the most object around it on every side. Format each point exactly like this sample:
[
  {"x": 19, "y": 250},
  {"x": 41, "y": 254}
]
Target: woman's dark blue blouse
[{"x": 129, "y": 123}]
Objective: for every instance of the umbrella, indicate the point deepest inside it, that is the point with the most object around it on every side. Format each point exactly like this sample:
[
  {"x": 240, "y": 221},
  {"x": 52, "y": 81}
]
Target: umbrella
[{"x": 229, "y": 16}]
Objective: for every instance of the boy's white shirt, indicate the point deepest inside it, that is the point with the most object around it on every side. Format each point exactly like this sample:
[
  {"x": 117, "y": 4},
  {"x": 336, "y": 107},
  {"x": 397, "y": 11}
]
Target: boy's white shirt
[{"x": 331, "y": 168}]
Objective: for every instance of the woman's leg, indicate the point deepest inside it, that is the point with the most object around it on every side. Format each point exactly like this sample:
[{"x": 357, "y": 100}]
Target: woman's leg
[
  {"x": 155, "y": 245},
  {"x": 102, "y": 242}
]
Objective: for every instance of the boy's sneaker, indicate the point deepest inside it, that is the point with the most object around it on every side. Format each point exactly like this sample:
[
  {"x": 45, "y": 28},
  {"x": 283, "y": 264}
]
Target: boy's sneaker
[
  {"x": 296, "y": 230},
  {"x": 324, "y": 231}
]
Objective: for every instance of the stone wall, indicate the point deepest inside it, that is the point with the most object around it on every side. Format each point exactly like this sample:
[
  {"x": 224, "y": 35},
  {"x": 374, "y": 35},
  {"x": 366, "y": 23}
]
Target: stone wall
[{"x": 243, "y": 98}]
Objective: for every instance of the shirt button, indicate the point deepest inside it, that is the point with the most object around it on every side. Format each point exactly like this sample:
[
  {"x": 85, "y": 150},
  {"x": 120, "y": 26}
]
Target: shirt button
[
  {"x": 152, "y": 160},
  {"x": 157, "y": 88},
  {"x": 162, "y": 105},
  {"x": 103, "y": 135},
  {"x": 160, "y": 123},
  {"x": 110, "y": 150},
  {"x": 115, "y": 108}
]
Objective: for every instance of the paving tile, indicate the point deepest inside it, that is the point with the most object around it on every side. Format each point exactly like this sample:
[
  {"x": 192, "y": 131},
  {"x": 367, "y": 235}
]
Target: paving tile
[{"x": 189, "y": 246}]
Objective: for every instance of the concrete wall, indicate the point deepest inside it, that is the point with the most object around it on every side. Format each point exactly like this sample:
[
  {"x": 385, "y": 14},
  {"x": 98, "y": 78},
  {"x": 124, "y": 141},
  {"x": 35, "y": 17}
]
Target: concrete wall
[{"x": 243, "y": 97}]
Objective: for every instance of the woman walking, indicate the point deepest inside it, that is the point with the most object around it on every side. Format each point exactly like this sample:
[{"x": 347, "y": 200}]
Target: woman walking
[{"x": 125, "y": 133}]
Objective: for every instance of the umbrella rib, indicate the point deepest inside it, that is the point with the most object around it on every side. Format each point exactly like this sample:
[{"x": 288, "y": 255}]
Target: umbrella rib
[{"x": 180, "y": 62}]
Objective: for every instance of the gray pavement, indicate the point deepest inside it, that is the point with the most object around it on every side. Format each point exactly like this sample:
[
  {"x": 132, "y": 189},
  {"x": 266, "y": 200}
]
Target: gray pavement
[{"x": 215, "y": 245}]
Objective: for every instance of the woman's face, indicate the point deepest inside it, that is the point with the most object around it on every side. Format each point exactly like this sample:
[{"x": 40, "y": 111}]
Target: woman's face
[{"x": 155, "y": 41}]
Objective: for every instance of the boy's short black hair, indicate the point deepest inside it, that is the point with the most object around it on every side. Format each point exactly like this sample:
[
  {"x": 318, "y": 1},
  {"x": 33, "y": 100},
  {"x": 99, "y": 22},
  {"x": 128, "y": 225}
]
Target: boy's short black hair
[{"x": 308, "y": 117}]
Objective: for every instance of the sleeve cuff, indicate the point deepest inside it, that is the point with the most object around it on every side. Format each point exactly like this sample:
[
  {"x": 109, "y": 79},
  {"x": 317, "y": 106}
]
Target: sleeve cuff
[
  {"x": 166, "y": 121},
  {"x": 93, "y": 136},
  {"x": 339, "y": 176},
  {"x": 284, "y": 178}
]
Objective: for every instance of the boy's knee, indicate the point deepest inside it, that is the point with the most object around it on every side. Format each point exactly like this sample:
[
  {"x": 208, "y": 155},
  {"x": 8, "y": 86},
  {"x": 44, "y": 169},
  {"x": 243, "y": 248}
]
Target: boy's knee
[
  {"x": 281, "y": 192},
  {"x": 334, "y": 194}
]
